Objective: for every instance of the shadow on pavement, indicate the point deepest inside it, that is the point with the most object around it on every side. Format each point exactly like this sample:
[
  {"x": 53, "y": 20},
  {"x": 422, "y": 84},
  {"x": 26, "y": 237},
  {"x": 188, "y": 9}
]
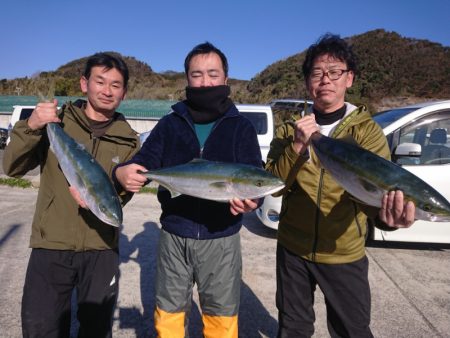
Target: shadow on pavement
[
  {"x": 254, "y": 319},
  {"x": 146, "y": 245},
  {"x": 408, "y": 245},
  {"x": 254, "y": 225},
  {"x": 9, "y": 233}
]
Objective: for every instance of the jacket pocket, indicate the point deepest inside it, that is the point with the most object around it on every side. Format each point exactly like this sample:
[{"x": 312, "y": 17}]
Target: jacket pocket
[{"x": 54, "y": 224}]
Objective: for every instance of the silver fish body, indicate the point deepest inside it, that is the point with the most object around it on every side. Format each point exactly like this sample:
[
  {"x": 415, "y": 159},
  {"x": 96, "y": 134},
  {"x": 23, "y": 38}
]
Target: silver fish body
[
  {"x": 368, "y": 177},
  {"x": 216, "y": 181},
  {"x": 84, "y": 173}
]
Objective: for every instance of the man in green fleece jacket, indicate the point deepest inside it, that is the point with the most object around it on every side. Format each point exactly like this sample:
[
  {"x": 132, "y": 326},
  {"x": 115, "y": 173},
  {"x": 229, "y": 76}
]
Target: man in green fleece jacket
[
  {"x": 322, "y": 230},
  {"x": 71, "y": 248}
]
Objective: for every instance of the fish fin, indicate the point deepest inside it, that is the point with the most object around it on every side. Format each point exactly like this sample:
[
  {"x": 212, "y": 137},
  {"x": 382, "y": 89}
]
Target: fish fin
[
  {"x": 172, "y": 192},
  {"x": 220, "y": 184},
  {"x": 115, "y": 159},
  {"x": 369, "y": 186},
  {"x": 50, "y": 95}
]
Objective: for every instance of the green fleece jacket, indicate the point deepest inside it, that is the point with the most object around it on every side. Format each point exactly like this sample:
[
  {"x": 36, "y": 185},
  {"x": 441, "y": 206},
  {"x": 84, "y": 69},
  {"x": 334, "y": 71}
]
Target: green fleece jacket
[
  {"x": 59, "y": 223},
  {"x": 319, "y": 221}
]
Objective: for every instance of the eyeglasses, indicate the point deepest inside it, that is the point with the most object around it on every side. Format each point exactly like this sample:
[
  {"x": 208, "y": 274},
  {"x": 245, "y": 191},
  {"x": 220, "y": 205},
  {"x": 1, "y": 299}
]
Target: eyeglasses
[{"x": 332, "y": 74}]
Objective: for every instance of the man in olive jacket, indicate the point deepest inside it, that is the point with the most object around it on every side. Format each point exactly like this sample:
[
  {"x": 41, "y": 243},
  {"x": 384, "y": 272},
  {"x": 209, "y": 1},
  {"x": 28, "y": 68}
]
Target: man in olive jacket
[
  {"x": 322, "y": 230},
  {"x": 72, "y": 248}
]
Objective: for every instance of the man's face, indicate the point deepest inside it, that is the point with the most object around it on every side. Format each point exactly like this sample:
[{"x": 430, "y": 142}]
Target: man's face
[
  {"x": 328, "y": 95},
  {"x": 206, "y": 70},
  {"x": 104, "y": 88}
]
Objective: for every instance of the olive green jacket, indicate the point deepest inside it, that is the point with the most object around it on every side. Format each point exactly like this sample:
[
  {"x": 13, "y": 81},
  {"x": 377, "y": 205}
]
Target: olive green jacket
[
  {"x": 59, "y": 223},
  {"x": 319, "y": 220}
]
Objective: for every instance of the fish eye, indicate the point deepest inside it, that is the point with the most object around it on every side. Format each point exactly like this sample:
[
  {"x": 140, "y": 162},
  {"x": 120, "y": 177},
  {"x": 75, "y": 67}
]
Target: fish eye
[
  {"x": 427, "y": 207},
  {"x": 102, "y": 208},
  {"x": 259, "y": 183}
]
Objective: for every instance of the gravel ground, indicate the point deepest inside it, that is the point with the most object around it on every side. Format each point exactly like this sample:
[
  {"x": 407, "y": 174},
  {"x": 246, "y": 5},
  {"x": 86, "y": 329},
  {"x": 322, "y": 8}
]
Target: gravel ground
[{"x": 410, "y": 282}]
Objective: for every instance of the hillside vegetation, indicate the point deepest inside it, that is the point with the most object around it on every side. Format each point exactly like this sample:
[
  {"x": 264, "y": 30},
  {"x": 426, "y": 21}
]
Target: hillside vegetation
[
  {"x": 144, "y": 83},
  {"x": 393, "y": 70}
]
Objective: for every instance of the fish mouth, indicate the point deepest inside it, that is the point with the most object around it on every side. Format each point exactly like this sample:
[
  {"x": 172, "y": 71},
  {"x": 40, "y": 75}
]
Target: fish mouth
[
  {"x": 440, "y": 218},
  {"x": 113, "y": 221},
  {"x": 430, "y": 216},
  {"x": 272, "y": 191}
]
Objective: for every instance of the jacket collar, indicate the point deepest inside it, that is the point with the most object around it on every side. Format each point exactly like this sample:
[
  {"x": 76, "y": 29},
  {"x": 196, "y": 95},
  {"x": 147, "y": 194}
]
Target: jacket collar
[
  {"x": 119, "y": 131},
  {"x": 353, "y": 116}
]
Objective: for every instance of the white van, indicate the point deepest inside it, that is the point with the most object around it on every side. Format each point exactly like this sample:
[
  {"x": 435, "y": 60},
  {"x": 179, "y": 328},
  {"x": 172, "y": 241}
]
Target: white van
[
  {"x": 19, "y": 113},
  {"x": 262, "y": 119}
]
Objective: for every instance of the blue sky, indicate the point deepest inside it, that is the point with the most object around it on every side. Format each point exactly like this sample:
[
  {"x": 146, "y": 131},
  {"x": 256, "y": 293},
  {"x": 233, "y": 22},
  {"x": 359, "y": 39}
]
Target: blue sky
[{"x": 41, "y": 35}]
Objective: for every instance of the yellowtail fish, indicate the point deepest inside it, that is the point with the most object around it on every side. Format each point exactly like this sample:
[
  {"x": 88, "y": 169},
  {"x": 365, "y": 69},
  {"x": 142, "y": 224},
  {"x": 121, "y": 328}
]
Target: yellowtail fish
[
  {"x": 217, "y": 181},
  {"x": 368, "y": 177},
  {"x": 84, "y": 173}
]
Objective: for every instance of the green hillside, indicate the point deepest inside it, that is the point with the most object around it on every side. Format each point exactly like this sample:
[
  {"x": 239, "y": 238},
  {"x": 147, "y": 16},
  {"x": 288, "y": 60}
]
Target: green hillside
[{"x": 392, "y": 69}]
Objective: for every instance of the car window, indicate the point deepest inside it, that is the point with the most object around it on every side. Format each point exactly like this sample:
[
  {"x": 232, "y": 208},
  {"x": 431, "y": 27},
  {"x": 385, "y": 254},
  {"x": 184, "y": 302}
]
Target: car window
[
  {"x": 387, "y": 117},
  {"x": 293, "y": 104},
  {"x": 25, "y": 113},
  {"x": 432, "y": 133},
  {"x": 3, "y": 137},
  {"x": 259, "y": 121}
]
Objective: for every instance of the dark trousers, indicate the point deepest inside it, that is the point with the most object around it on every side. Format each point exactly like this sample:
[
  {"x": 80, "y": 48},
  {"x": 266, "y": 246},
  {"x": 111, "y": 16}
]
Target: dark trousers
[
  {"x": 345, "y": 287},
  {"x": 51, "y": 277}
]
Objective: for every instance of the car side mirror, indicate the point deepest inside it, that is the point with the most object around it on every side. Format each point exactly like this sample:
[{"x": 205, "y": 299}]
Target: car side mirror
[
  {"x": 408, "y": 150},
  {"x": 407, "y": 154}
]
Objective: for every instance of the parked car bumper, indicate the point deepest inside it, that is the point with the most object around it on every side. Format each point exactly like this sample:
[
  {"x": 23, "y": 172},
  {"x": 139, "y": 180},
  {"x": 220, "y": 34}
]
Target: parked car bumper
[{"x": 269, "y": 212}]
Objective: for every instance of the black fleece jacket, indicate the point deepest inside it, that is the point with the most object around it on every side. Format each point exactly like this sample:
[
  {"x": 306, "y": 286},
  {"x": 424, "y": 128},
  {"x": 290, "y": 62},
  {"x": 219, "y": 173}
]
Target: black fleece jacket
[{"x": 172, "y": 142}]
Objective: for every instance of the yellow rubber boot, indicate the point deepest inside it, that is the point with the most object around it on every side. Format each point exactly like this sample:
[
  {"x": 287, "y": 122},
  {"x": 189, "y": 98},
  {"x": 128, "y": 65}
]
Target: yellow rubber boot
[
  {"x": 169, "y": 325},
  {"x": 220, "y": 326}
]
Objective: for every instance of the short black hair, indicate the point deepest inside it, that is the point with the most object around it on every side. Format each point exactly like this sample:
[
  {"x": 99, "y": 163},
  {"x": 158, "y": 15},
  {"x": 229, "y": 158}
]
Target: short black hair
[
  {"x": 206, "y": 48},
  {"x": 334, "y": 46},
  {"x": 109, "y": 61}
]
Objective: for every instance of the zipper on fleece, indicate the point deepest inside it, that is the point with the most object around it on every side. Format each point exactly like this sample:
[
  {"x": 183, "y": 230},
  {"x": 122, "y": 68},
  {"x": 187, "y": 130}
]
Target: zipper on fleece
[
  {"x": 94, "y": 146},
  {"x": 316, "y": 225},
  {"x": 356, "y": 219},
  {"x": 200, "y": 155}
]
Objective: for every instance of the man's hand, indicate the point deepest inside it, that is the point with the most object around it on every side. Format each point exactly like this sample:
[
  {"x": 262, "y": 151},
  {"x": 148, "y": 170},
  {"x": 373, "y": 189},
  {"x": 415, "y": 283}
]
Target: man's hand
[
  {"x": 76, "y": 196},
  {"x": 130, "y": 178},
  {"x": 238, "y": 206},
  {"x": 304, "y": 128},
  {"x": 45, "y": 112},
  {"x": 394, "y": 212}
]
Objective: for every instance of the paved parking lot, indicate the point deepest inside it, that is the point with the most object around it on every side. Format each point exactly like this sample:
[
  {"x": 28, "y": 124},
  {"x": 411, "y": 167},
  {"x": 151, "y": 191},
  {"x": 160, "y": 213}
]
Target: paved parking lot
[{"x": 410, "y": 282}]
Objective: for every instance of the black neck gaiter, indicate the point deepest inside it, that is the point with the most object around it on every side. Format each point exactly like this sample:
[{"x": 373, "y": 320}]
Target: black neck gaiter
[
  {"x": 323, "y": 119},
  {"x": 207, "y": 104}
]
